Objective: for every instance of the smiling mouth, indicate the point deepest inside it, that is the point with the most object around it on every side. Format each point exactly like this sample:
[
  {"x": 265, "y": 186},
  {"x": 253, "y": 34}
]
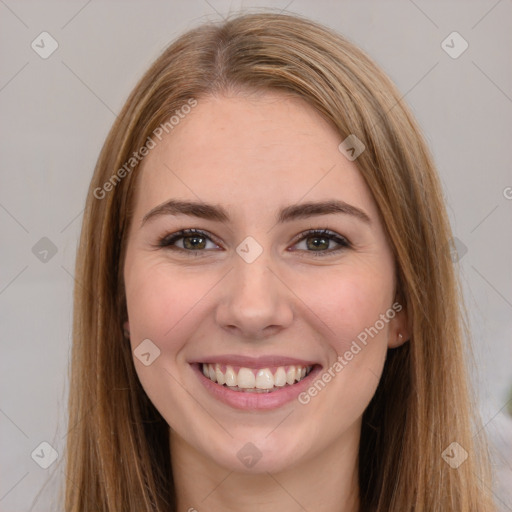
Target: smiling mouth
[{"x": 255, "y": 380}]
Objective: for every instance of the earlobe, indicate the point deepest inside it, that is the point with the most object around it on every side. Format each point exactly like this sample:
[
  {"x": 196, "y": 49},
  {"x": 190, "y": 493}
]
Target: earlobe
[
  {"x": 397, "y": 340},
  {"x": 398, "y": 332},
  {"x": 126, "y": 329}
]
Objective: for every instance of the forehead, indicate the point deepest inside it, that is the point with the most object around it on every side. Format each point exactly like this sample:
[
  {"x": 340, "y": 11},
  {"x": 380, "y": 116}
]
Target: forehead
[{"x": 249, "y": 151}]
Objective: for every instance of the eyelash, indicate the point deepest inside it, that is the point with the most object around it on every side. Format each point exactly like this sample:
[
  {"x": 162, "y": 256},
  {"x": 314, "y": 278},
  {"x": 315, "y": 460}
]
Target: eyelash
[{"x": 167, "y": 241}]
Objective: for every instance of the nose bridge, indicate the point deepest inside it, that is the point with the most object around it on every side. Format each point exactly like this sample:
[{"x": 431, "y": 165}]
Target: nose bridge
[
  {"x": 256, "y": 298},
  {"x": 254, "y": 276},
  {"x": 253, "y": 282}
]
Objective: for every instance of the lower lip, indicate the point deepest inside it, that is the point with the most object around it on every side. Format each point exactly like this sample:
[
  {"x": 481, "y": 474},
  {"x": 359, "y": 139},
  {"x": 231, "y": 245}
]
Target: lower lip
[{"x": 256, "y": 401}]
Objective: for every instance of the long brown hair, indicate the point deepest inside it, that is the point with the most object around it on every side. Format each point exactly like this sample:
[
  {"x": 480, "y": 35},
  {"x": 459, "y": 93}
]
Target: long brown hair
[{"x": 118, "y": 444}]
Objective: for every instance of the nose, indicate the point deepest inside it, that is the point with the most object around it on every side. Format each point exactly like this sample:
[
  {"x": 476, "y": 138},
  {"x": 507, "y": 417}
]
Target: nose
[{"x": 255, "y": 303}]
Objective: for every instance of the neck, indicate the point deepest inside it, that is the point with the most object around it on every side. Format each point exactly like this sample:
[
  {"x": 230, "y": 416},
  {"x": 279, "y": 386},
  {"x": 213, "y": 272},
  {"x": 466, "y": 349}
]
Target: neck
[{"x": 327, "y": 482}]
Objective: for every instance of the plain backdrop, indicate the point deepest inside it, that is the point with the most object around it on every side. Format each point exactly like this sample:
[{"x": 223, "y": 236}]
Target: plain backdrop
[{"x": 55, "y": 115}]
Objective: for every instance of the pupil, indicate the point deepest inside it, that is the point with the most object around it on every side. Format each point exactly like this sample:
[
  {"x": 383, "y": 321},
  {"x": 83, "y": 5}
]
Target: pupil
[
  {"x": 191, "y": 242},
  {"x": 323, "y": 241},
  {"x": 191, "y": 245}
]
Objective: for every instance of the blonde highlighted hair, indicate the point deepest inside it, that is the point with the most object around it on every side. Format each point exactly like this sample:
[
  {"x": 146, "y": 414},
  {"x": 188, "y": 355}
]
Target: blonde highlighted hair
[{"x": 118, "y": 446}]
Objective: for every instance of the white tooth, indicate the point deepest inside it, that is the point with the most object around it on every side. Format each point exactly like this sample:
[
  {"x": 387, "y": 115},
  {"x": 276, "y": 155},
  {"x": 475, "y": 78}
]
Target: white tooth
[
  {"x": 246, "y": 378},
  {"x": 220, "y": 376},
  {"x": 290, "y": 375},
  {"x": 264, "y": 379},
  {"x": 211, "y": 372},
  {"x": 280, "y": 377},
  {"x": 230, "y": 376}
]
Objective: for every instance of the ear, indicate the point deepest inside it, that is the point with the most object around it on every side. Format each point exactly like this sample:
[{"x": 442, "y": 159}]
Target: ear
[{"x": 398, "y": 332}]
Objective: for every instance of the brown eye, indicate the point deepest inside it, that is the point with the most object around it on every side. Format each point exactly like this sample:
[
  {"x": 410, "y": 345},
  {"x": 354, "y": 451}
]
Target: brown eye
[
  {"x": 318, "y": 242},
  {"x": 192, "y": 240}
]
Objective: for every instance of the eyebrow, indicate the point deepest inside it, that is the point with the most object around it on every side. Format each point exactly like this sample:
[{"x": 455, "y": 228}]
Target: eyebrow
[{"x": 289, "y": 213}]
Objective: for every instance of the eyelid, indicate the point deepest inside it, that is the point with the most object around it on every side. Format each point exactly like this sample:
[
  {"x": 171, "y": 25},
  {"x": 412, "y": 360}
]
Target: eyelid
[
  {"x": 332, "y": 235},
  {"x": 165, "y": 241},
  {"x": 343, "y": 242}
]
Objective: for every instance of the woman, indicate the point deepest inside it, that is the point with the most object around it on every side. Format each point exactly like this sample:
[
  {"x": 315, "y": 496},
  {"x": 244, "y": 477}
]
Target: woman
[{"x": 268, "y": 315}]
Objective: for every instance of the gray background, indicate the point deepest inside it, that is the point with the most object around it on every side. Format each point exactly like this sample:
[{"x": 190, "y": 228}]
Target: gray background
[{"x": 57, "y": 111}]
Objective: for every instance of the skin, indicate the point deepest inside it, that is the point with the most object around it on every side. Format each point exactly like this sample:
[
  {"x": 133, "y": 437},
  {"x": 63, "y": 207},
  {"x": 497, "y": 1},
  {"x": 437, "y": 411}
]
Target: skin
[{"x": 254, "y": 154}]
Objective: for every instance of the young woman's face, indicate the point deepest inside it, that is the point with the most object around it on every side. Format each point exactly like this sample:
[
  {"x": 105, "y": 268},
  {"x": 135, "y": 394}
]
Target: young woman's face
[{"x": 251, "y": 298}]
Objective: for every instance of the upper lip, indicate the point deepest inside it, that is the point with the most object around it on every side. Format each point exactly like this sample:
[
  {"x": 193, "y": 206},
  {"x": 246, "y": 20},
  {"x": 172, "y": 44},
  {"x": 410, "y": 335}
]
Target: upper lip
[{"x": 254, "y": 362}]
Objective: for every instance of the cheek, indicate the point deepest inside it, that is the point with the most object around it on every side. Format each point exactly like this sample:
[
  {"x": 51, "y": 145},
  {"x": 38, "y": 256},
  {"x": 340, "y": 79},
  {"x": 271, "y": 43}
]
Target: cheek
[
  {"x": 160, "y": 308},
  {"x": 357, "y": 310},
  {"x": 160, "y": 302},
  {"x": 356, "y": 307},
  {"x": 350, "y": 303}
]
